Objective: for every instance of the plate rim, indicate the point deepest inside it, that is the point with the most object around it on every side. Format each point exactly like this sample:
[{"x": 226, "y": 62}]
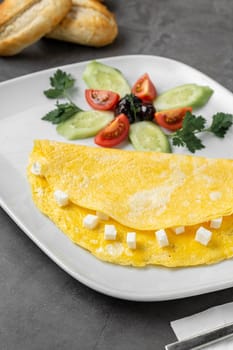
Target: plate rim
[{"x": 70, "y": 65}]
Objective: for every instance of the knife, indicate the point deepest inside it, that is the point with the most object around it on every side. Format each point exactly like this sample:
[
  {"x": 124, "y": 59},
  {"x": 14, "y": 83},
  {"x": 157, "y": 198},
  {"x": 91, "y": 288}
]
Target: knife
[{"x": 201, "y": 340}]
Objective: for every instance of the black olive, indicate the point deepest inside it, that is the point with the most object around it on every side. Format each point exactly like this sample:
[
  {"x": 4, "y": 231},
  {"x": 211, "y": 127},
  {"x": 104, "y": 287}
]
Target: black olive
[
  {"x": 147, "y": 111},
  {"x": 135, "y": 109},
  {"x": 125, "y": 106}
]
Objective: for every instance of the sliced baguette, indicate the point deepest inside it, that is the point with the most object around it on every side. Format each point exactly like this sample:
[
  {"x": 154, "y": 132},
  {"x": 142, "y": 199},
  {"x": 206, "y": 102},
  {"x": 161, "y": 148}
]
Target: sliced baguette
[
  {"x": 89, "y": 22},
  {"x": 23, "y": 22}
]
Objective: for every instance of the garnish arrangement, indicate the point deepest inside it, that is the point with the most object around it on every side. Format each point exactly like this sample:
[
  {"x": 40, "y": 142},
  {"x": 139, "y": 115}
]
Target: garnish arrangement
[{"x": 138, "y": 113}]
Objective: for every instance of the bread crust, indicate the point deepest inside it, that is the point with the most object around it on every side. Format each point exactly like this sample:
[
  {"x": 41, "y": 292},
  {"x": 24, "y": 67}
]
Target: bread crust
[
  {"x": 23, "y": 22},
  {"x": 89, "y": 22}
]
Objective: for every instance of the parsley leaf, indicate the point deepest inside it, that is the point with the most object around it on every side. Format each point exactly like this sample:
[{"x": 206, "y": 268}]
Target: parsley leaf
[
  {"x": 53, "y": 93},
  {"x": 221, "y": 123},
  {"x": 191, "y": 123},
  {"x": 191, "y": 141},
  {"x": 60, "y": 82},
  {"x": 62, "y": 112}
]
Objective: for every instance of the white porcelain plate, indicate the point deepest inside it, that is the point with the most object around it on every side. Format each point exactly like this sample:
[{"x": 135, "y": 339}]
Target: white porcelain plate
[{"x": 22, "y": 106}]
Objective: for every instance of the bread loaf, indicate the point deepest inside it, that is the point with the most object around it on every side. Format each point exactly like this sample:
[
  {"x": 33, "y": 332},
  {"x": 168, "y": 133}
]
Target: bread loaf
[
  {"x": 22, "y": 22},
  {"x": 89, "y": 22}
]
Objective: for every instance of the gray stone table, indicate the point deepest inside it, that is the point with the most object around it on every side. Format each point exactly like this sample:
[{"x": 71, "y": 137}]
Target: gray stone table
[{"x": 42, "y": 307}]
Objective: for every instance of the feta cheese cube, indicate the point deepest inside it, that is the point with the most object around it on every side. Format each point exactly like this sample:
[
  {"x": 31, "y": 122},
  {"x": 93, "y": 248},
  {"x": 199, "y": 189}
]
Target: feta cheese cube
[
  {"x": 102, "y": 216},
  {"x": 162, "y": 238},
  {"x": 131, "y": 240},
  {"x": 179, "y": 230},
  {"x": 36, "y": 168},
  {"x": 215, "y": 195},
  {"x": 216, "y": 223},
  {"x": 110, "y": 232},
  {"x": 90, "y": 221},
  {"x": 203, "y": 235},
  {"x": 61, "y": 198}
]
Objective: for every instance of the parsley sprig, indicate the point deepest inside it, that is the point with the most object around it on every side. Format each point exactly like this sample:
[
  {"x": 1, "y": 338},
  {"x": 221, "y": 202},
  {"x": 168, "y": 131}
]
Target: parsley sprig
[
  {"x": 192, "y": 125},
  {"x": 61, "y": 83},
  {"x": 134, "y": 105}
]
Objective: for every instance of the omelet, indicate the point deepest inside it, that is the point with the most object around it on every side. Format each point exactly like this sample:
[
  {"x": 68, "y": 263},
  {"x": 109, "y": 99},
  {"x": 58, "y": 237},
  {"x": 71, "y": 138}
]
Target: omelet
[{"x": 140, "y": 192}]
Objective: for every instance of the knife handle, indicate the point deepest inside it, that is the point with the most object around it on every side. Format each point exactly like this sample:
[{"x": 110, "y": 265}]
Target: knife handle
[{"x": 203, "y": 339}]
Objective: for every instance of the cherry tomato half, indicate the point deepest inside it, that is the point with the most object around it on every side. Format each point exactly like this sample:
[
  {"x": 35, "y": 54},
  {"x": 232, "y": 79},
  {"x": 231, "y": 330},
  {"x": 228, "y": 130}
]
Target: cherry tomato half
[
  {"x": 114, "y": 133},
  {"x": 102, "y": 100},
  {"x": 172, "y": 119},
  {"x": 144, "y": 89}
]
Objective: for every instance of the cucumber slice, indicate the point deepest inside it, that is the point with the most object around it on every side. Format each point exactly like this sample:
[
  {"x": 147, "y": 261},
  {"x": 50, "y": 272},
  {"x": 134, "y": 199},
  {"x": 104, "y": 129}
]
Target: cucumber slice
[
  {"x": 146, "y": 136},
  {"x": 188, "y": 95},
  {"x": 100, "y": 76},
  {"x": 84, "y": 124}
]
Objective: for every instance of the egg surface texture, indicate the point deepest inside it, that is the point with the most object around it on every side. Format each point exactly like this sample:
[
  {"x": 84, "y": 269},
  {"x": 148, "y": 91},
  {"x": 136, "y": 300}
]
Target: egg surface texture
[{"x": 136, "y": 191}]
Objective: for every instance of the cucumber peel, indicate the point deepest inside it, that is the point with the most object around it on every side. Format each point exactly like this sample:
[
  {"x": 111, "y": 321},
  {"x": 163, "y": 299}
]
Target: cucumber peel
[
  {"x": 84, "y": 124},
  {"x": 187, "y": 95},
  {"x": 146, "y": 136},
  {"x": 103, "y": 77}
]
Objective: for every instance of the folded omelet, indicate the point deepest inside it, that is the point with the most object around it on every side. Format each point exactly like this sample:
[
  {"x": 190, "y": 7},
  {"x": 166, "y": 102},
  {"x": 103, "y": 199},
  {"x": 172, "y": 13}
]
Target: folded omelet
[{"x": 179, "y": 207}]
